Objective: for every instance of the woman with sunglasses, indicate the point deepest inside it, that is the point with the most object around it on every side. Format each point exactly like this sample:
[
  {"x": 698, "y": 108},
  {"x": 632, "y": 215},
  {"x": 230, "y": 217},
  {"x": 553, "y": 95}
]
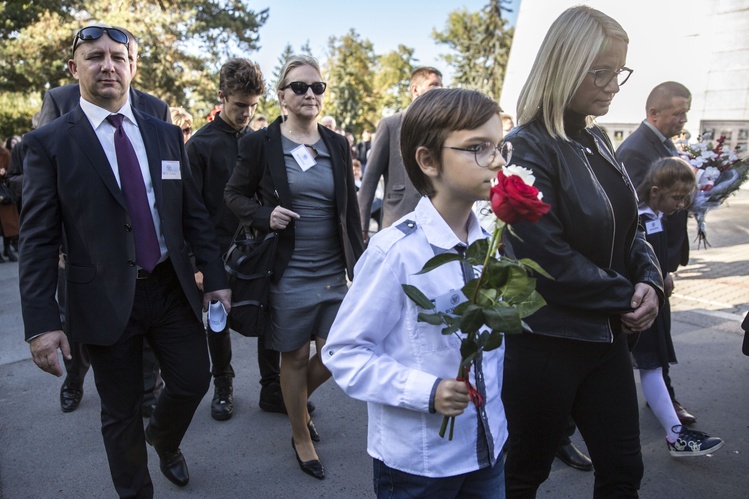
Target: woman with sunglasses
[
  {"x": 606, "y": 283},
  {"x": 295, "y": 177}
]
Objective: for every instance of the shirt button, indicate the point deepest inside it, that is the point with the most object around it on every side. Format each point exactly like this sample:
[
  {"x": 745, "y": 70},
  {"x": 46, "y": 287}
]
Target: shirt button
[
  {"x": 128, "y": 227},
  {"x": 131, "y": 263}
]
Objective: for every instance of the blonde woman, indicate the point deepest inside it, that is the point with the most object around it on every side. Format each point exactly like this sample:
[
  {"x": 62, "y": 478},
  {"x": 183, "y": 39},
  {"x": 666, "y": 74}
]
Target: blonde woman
[
  {"x": 295, "y": 177},
  {"x": 182, "y": 119}
]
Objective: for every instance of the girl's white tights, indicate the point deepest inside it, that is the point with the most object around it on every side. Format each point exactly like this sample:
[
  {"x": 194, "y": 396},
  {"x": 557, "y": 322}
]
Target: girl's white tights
[{"x": 656, "y": 393}]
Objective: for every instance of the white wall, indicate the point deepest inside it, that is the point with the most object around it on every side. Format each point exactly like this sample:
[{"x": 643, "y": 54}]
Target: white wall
[{"x": 702, "y": 44}]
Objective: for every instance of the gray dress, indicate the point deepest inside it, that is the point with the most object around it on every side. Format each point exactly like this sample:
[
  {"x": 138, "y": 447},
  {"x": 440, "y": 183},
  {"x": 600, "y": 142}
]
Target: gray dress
[{"x": 304, "y": 302}]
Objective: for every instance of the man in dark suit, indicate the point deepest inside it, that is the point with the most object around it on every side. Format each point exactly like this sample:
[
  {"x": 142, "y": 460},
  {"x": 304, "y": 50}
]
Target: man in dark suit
[
  {"x": 385, "y": 160},
  {"x": 667, "y": 107},
  {"x": 58, "y": 101},
  {"x": 113, "y": 186}
]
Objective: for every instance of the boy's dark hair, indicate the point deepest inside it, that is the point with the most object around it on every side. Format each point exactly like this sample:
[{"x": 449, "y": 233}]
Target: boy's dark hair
[
  {"x": 240, "y": 76},
  {"x": 665, "y": 173},
  {"x": 432, "y": 117}
]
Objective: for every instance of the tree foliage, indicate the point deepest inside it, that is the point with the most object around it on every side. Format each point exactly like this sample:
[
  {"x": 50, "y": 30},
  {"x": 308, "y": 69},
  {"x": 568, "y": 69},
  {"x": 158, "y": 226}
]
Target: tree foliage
[
  {"x": 182, "y": 44},
  {"x": 392, "y": 80},
  {"x": 350, "y": 72},
  {"x": 480, "y": 43}
]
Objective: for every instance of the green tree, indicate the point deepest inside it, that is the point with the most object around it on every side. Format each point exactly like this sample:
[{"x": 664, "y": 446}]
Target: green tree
[
  {"x": 182, "y": 43},
  {"x": 392, "y": 80},
  {"x": 349, "y": 71},
  {"x": 480, "y": 43}
]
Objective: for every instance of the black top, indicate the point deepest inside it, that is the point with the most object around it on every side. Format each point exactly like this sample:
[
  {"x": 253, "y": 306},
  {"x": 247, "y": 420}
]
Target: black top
[{"x": 213, "y": 154}]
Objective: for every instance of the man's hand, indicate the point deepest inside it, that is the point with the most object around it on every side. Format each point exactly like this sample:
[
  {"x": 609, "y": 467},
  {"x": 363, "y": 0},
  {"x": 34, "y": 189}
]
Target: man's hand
[
  {"x": 668, "y": 285},
  {"x": 44, "y": 351},
  {"x": 451, "y": 397},
  {"x": 222, "y": 295},
  {"x": 199, "y": 280},
  {"x": 645, "y": 305}
]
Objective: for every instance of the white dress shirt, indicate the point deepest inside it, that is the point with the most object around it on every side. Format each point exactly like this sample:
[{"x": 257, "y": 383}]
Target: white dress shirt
[
  {"x": 378, "y": 352},
  {"x": 97, "y": 116}
]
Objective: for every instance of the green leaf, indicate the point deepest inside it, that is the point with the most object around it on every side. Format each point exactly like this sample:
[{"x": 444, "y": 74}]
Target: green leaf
[
  {"x": 493, "y": 341},
  {"x": 472, "y": 319},
  {"x": 452, "y": 327},
  {"x": 503, "y": 318},
  {"x": 438, "y": 261},
  {"x": 534, "y": 302},
  {"x": 433, "y": 319},
  {"x": 527, "y": 262},
  {"x": 476, "y": 252},
  {"x": 417, "y": 297}
]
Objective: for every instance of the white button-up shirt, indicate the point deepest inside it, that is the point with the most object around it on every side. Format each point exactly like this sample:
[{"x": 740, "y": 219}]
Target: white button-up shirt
[{"x": 378, "y": 352}]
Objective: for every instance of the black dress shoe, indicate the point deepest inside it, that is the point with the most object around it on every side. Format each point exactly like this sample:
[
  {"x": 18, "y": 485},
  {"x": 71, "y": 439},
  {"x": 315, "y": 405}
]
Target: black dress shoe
[
  {"x": 313, "y": 468},
  {"x": 572, "y": 457},
  {"x": 313, "y": 431},
  {"x": 222, "y": 405},
  {"x": 271, "y": 400},
  {"x": 172, "y": 464},
  {"x": 70, "y": 397},
  {"x": 684, "y": 417}
]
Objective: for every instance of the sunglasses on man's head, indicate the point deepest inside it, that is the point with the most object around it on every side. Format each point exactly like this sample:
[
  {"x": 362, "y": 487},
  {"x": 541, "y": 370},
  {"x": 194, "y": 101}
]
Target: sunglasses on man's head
[
  {"x": 300, "y": 88},
  {"x": 95, "y": 32}
]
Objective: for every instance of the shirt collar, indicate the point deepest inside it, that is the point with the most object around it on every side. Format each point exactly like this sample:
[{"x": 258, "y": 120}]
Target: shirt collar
[
  {"x": 647, "y": 210},
  {"x": 224, "y": 126},
  {"x": 97, "y": 115},
  {"x": 437, "y": 231},
  {"x": 657, "y": 132}
]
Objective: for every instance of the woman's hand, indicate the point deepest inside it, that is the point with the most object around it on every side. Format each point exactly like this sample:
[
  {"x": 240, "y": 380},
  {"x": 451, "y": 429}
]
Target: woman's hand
[
  {"x": 280, "y": 218},
  {"x": 451, "y": 397},
  {"x": 645, "y": 305}
]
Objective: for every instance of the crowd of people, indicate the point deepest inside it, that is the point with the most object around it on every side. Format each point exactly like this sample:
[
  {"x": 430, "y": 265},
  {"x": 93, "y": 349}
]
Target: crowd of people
[{"x": 125, "y": 217}]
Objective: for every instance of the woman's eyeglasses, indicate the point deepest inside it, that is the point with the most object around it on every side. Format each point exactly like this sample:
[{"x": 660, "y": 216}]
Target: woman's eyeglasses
[
  {"x": 486, "y": 152},
  {"x": 602, "y": 77},
  {"x": 95, "y": 32},
  {"x": 300, "y": 88}
]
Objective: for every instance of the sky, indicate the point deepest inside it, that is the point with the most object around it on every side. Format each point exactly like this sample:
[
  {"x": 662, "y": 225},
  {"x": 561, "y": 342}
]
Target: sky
[{"x": 386, "y": 23}]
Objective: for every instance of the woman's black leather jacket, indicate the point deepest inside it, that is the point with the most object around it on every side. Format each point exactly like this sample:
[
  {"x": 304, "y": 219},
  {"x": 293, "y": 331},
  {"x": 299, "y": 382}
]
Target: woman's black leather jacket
[{"x": 574, "y": 241}]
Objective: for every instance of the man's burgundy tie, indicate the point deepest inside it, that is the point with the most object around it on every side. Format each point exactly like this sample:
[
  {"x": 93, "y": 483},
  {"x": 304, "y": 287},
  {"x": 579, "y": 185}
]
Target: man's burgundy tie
[{"x": 147, "y": 251}]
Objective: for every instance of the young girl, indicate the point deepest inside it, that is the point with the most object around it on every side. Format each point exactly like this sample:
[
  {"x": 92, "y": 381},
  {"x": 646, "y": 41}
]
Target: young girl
[
  {"x": 378, "y": 352},
  {"x": 666, "y": 188}
]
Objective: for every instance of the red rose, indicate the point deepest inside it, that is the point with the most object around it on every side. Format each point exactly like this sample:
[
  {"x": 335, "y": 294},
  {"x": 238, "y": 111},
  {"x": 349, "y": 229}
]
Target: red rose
[{"x": 514, "y": 200}]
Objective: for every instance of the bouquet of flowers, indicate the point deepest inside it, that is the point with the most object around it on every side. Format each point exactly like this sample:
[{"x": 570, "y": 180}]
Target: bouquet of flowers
[
  {"x": 719, "y": 174},
  {"x": 505, "y": 290}
]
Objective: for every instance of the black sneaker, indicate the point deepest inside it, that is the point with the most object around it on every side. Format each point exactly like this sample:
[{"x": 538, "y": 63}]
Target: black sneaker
[
  {"x": 222, "y": 405},
  {"x": 693, "y": 443}
]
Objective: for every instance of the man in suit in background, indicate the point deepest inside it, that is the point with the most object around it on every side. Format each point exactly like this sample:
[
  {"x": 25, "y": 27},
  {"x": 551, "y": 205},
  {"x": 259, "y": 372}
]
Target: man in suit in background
[
  {"x": 113, "y": 186},
  {"x": 58, "y": 101},
  {"x": 666, "y": 108},
  {"x": 385, "y": 160}
]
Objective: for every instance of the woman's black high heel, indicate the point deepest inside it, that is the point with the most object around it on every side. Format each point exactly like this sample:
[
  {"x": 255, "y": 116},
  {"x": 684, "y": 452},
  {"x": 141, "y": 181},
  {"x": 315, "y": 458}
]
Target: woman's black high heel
[{"x": 313, "y": 468}]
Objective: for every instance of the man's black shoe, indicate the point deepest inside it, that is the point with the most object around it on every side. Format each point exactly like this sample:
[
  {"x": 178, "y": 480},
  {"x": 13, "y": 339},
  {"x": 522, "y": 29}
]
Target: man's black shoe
[
  {"x": 171, "y": 463},
  {"x": 572, "y": 457},
  {"x": 271, "y": 400},
  {"x": 222, "y": 405},
  {"x": 70, "y": 397}
]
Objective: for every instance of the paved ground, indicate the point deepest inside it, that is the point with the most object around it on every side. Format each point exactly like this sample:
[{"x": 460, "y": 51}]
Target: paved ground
[{"x": 45, "y": 453}]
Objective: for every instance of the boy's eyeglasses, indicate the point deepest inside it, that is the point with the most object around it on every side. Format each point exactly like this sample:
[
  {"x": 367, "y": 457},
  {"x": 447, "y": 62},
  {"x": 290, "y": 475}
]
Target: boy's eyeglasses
[
  {"x": 602, "y": 77},
  {"x": 95, "y": 32},
  {"x": 300, "y": 88},
  {"x": 486, "y": 152}
]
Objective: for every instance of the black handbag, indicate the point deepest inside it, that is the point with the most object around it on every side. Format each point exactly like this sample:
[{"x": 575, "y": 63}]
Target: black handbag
[
  {"x": 249, "y": 265},
  {"x": 6, "y": 195}
]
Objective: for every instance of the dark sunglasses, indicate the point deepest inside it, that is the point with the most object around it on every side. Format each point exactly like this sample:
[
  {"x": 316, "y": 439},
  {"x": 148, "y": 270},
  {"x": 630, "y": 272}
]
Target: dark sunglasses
[
  {"x": 95, "y": 32},
  {"x": 300, "y": 88},
  {"x": 187, "y": 130}
]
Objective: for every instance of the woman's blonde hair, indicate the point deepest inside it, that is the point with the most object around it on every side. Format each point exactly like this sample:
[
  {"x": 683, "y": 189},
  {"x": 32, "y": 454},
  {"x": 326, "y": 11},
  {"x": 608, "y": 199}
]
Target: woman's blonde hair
[
  {"x": 180, "y": 116},
  {"x": 292, "y": 62},
  {"x": 574, "y": 40}
]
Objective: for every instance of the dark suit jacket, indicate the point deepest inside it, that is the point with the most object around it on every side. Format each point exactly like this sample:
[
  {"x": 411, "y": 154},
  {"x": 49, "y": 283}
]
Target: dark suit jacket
[
  {"x": 401, "y": 197},
  {"x": 60, "y": 100},
  {"x": 69, "y": 186},
  {"x": 259, "y": 183},
  {"x": 637, "y": 153}
]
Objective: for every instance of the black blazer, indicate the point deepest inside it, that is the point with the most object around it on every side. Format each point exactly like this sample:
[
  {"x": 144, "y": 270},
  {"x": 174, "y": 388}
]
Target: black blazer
[
  {"x": 638, "y": 151},
  {"x": 259, "y": 183},
  {"x": 60, "y": 100},
  {"x": 69, "y": 187}
]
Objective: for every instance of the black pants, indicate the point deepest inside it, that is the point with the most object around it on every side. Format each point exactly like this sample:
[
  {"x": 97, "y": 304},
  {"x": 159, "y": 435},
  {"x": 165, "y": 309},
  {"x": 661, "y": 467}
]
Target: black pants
[
  {"x": 548, "y": 379},
  {"x": 161, "y": 316},
  {"x": 77, "y": 367},
  {"x": 219, "y": 346}
]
